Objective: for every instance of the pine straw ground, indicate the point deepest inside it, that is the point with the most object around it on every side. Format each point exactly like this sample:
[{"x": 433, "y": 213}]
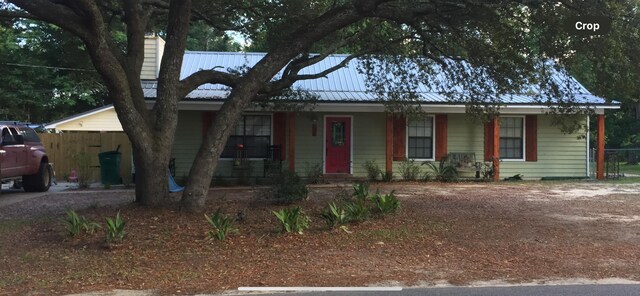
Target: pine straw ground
[{"x": 459, "y": 233}]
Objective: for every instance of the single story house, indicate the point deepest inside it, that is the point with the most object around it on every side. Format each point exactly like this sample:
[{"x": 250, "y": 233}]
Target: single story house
[
  {"x": 101, "y": 119},
  {"x": 349, "y": 127}
]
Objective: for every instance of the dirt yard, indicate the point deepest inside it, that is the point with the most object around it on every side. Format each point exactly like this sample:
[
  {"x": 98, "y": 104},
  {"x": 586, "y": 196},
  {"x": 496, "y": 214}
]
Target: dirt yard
[{"x": 453, "y": 233}]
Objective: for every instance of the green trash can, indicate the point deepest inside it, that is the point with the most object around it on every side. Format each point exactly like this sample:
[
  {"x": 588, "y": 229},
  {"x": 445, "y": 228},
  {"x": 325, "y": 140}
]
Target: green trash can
[{"x": 110, "y": 167}]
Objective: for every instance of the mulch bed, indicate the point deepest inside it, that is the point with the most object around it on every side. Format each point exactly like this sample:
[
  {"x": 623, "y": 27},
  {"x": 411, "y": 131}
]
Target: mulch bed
[{"x": 457, "y": 233}]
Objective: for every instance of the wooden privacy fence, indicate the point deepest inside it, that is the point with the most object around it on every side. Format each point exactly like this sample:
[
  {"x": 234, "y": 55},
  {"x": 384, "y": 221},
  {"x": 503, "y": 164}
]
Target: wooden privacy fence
[{"x": 63, "y": 150}]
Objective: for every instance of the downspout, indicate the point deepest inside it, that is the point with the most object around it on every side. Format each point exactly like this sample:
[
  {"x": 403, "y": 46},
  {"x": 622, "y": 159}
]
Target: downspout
[{"x": 588, "y": 150}]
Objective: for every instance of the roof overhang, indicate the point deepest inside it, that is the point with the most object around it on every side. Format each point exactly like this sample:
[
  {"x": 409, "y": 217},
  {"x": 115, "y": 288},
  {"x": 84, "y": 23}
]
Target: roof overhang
[
  {"x": 214, "y": 105},
  {"x": 55, "y": 124}
]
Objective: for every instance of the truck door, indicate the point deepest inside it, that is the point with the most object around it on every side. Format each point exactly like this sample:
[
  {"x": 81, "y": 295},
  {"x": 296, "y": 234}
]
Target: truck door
[
  {"x": 9, "y": 159},
  {"x": 22, "y": 162}
]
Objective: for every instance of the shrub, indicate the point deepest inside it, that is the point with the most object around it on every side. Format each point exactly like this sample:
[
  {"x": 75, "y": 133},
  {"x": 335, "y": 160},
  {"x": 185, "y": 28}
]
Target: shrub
[
  {"x": 75, "y": 224},
  {"x": 287, "y": 187},
  {"x": 387, "y": 176},
  {"x": 292, "y": 220},
  {"x": 386, "y": 204},
  {"x": 115, "y": 229},
  {"x": 314, "y": 174},
  {"x": 373, "y": 171},
  {"x": 356, "y": 211},
  {"x": 409, "y": 170},
  {"x": 221, "y": 224},
  {"x": 361, "y": 191},
  {"x": 335, "y": 215},
  {"x": 83, "y": 161},
  {"x": 444, "y": 172}
]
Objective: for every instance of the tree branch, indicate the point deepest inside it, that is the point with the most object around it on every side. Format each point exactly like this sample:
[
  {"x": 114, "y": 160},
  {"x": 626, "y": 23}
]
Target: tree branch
[{"x": 212, "y": 76}]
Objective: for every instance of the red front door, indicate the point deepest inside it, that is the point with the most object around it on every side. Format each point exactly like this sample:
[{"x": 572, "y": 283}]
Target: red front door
[{"x": 338, "y": 145}]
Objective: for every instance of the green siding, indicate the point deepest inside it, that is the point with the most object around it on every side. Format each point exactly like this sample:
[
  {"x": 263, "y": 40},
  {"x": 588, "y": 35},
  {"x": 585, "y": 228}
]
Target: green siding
[
  {"x": 558, "y": 154},
  {"x": 368, "y": 140},
  {"x": 187, "y": 141}
]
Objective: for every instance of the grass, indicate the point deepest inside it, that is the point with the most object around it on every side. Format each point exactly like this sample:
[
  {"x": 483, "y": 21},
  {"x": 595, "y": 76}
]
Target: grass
[{"x": 629, "y": 168}]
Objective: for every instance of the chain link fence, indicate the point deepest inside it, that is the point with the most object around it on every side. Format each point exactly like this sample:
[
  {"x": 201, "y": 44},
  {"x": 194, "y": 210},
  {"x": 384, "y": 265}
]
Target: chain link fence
[{"x": 618, "y": 163}]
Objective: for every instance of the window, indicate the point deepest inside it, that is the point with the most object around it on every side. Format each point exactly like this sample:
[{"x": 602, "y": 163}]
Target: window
[
  {"x": 252, "y": 136},
  {"x": 511, "y": 138},
  {"x": 420, "y": 138},
  {"x": 29, "y": 134}
]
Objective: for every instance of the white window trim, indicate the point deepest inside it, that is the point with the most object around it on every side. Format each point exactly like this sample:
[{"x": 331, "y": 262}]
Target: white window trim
[
  {"x": 433, "y": 140},
  {"x": 270, "y": 136},
  {"x": 324, "y": 141},
  {"x": 524, "y": 139}
]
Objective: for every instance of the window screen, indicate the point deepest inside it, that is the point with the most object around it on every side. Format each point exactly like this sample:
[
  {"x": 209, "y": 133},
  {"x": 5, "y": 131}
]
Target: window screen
[
  {"x": 252, "y": 135},
  {"x": 511, "y": 138},
  {"x": 420, "y": 138}
]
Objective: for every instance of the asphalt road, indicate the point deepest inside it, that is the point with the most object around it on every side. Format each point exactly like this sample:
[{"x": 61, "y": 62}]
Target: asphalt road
[{"x": 540, "y": 290}]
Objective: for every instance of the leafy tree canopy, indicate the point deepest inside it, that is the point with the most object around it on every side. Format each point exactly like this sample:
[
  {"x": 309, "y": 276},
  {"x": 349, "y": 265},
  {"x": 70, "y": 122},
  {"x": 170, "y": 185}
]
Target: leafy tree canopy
[{"x": 486, "y": 48}]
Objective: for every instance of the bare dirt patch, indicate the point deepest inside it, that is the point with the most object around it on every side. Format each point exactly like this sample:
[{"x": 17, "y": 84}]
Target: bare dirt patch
[{"x": 454, "y": 233}]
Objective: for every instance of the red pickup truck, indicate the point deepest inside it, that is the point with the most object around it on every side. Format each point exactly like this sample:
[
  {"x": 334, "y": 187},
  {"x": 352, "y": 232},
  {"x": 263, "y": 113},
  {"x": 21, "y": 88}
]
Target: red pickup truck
[{"x": 23, "y": 159}]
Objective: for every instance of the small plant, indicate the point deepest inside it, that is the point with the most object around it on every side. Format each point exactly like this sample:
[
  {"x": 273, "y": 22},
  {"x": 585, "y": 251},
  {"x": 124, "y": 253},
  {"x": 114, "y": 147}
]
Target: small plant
[
  {"x": 115, "y": 229},
  {"x": 75, "y": 224},
  {"x": 356, "y": 211},
  {"x": 314, "y": 174},
  {"x": 386, "y": 204},
  {"x": 83, "y": 161},
  {"x": 409, "y": 170},
  {"x": 486, "y": 171},
  {"x": 373, "y": 171},
  {"x": 335, "y": 215},
  {"x": 292, "y": 220},
  {"x": 444, "y": 172},
  {"x": 427, "y": 176},
  {"x": 287, "y": 187},
  {"x": 387, "y": 176},
  {"x": 361, "y": 191},
  {"x": 221, "y": 224}
]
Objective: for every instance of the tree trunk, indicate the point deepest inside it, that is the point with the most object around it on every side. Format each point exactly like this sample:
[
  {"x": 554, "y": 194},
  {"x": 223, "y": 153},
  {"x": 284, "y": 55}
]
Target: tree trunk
[
  {"x": 152, "y": 185},
  {"x": 197, "y": 187}
]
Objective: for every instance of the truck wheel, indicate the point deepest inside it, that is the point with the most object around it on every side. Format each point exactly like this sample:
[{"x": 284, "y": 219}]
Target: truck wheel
[{"x": 39, "y": 182}]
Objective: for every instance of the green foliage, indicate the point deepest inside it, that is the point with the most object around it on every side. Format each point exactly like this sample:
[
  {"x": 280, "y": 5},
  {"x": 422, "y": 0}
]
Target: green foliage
[
  {"x": 487, "y": 171},
  {"x": 221, "y": 224},
  {"x": 387, "y": 176},
  {"x": 373, "y": 171},
  {"x": 31, "y": 92},
  {"x": 292, "y": 220},
  {"x": 409, "y": 170},
  {"x": 287, "y": 187},
  {"x": 334, "y": 215},
  {"x": 361, "y": 191},
  {"x": 386, "y": 204},
  {"x": 75, "y": 224},
  {"x": 444, "y": 171},
  {"x": 83, "y": 163},
  {"x": 314, "y": 174},
  {"x": 357, "y": 211},
  {"x": 115, "y": 229}
]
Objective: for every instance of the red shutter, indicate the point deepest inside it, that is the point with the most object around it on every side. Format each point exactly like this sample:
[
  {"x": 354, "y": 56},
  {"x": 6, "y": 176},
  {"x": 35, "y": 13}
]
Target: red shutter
[
  {"x": 441, "y": 136},
  {"x": 279, "y": 132},
  {"x": 531, "y": 138},
  {"x": 207, "y": 119},
  {"x": 399, "y": 138},
  {"x": 488, "y": 141}
]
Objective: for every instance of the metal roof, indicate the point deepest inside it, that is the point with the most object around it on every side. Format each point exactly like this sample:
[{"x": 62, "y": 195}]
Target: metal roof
[{"x": 344, "y": 85}]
